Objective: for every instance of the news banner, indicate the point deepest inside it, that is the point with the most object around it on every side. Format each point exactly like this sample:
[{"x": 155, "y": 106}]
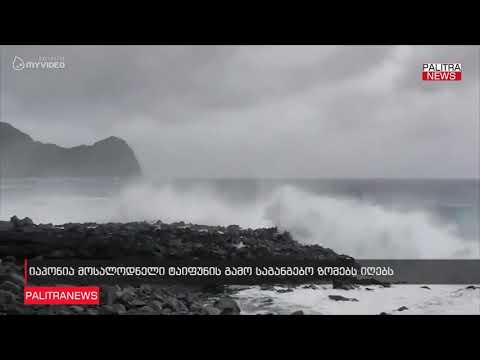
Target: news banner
[
  {"x": 139, "y": 271},
  {"x": 78, "y": 282}
]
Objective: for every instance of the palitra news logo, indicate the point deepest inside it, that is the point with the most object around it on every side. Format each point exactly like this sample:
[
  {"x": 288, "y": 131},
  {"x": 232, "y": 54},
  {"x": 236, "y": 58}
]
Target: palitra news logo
[
  {"x": 442, "y": 72},
  {"x": 40, "y": 63}
]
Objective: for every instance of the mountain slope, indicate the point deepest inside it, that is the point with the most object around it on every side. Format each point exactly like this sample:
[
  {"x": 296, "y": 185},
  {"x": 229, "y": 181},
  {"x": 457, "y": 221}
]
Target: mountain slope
[{"x": 21, "y": 156}]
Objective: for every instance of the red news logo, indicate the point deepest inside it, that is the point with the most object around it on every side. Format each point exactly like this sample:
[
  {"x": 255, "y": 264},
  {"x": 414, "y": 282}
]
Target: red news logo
[
  {"x": 58, "y": 295},
  {"x": 61, "y": 295},
  {"x": 442, "y": 72}
]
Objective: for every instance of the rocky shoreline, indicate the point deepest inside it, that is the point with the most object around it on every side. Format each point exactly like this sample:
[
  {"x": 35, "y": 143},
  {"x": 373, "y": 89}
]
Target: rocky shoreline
[{"x": 22, "y": 238}]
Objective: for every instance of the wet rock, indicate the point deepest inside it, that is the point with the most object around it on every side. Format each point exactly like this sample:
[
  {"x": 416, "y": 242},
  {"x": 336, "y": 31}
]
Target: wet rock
[
  {"x": 384, "y": 313},
  {"x": 16, "y": 309},
  {"x": 6, "y": 226},
  {"x": 310, "y": 286},
  {"x": 108, "y": 294},
  {"x": 7, "y": 297},
  {"x": 167, "y": 311},
  {"x": 145, "y": 289},
  {"x": 227, "y": 306},
  {"x": 298, "y": 312},
  {"x": 77, "y": 309},
  {"x": 342, "y": 285},
  {"x": 264, "y": 301},
  {"x": 125, "y": 296},
  {"x": 14, "y": 277},
  {"x": 9, "y": 259},
  {"x": 63, "y": 312},
  {"x": 210, "y": 310},
  {"x": 145, "y": 309},
  {"x": 282, "y": 291},
  {"x": 267, "y": 287},
  {"x": 175, "y": 305},
  {"x": 156, "y": 305},
  {"x": 425, "y": 287},
  {"x": 472, "y": 287},
  {"x": 214, "y": 288},
  {"x": 402, "y": 308},
  {"x": 233, "y": 228},
  {"x": 17, "y": 223},
  {"x": 137, "y": 303},
  {"x": 115, "y": 309},
  {"x": 340, "y": 298},
  {"x": 10, "y": 286},
  {"x": 369, "y": 289}
]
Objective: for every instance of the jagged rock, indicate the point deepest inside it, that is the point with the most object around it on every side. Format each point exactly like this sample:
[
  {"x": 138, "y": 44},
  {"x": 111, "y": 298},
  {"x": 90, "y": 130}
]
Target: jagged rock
[
  {"x": 63, "y": 312},
  {"x": 402, "y": 308},
  {"x": 156, "y": 305},
  {"x": 108, "y": 294},
  {"x": 340, "y": 298},
  {"x": 472, "y": 287},
  {"x": 343, "y": 285},
  {"x": 9, "y": 259},
  {"x": 267, "y": 287},
  {"x": 227, "y": 306},
  {"x": 115, "y": 309},
  {"x": 210, "y": 310},
  {"x": 298, "y": 312},
  {"x": 6, "y": 226},
  {"x": 125, "y": 296},
  {"x": 137, "y": 303},
  {"x": 14, "y": 277},
  {"x": 281, "y": 291},
  {"x": 145, "y": 310},
  {"x": 265, "y": 301},
  {"x": 175, "y": 305},
  {"x": 7, "y": 297},
  {"x": 146, "y": 289},
  {"x": 16, "y": 309},
  {"x": 10, "y": 286},
  {"x": 77, "y": 309},
  {"x": 166, "y": 311},
  {"x": 310, "y": 286}
]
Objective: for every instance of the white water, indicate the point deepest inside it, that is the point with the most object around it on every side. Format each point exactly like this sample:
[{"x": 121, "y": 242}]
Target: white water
[
  {"x": 353, "y": 227},
  {"x": 439, "y": 300}
]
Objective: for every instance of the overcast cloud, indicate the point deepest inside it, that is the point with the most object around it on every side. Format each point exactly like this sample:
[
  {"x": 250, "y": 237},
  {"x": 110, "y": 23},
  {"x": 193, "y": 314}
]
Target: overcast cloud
[{"x": 256, "y": 111}]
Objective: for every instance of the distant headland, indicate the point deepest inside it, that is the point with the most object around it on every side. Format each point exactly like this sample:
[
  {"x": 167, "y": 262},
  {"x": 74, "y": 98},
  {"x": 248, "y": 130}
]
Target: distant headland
[{"x": 21, "y": 156}]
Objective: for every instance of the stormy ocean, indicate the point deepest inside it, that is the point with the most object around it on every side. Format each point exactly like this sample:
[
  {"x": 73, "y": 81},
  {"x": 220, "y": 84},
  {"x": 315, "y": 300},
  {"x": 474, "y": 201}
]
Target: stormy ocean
[{"x": 367, "y": 218}]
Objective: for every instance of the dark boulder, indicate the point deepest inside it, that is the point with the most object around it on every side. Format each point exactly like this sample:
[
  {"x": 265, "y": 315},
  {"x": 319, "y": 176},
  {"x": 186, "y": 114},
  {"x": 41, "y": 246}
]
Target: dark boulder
[
  {"x": 7, "y": 297},
  {"x": 342, "y": 285},
  {"x": 341, "y": 298},
  {"x": 298, "y": 312},
  {"x": 227, "y": 306}
]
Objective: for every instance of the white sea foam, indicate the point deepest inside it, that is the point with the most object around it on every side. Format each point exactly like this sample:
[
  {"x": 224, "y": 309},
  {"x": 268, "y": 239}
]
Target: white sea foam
[
  {"x": 439, "y": 300},
  {"x": 353, "y": 227}
]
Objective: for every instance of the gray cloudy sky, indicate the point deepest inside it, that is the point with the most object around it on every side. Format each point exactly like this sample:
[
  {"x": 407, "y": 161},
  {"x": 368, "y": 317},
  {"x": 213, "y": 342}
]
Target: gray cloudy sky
[{"x": 256, "y": 111}]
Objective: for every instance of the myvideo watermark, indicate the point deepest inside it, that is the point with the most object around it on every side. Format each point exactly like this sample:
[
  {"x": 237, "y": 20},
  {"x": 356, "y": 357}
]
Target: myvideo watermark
[{"x": 40, "y": 63}]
